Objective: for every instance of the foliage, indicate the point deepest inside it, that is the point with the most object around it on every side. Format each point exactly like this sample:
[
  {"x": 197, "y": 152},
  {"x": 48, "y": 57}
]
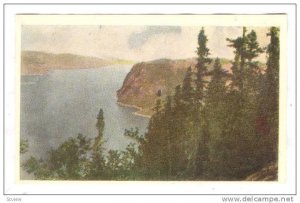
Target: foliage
[
  {"x": 209, "y": 128},
  {"x": 24, "y": 146},
  {"x": 82, "y": 158}
]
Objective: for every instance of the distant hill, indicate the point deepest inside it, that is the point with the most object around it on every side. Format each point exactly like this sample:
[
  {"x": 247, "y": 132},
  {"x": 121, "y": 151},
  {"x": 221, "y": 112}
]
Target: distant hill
[
  {"x": 147, "y": 80},
  {"x": 33, "y": 62}
]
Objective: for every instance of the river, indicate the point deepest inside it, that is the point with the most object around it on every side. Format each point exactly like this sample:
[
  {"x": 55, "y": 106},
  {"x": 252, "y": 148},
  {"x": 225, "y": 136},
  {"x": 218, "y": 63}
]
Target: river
[{"x": 63, "y": 103}]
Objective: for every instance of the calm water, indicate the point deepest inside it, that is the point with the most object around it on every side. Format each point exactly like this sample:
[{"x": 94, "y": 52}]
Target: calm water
[{"x": 64, "y": 103}]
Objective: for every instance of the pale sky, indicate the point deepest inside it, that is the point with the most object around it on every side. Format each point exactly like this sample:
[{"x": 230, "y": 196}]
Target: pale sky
[{"x": 138, "y": 43}]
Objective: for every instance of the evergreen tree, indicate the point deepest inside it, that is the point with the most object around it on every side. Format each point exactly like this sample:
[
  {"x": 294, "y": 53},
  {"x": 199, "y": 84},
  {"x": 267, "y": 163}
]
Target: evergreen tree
[
  {"x": 179, "y": 131},
  {"x": 202, "y": 62},
  {"x": 187, "y": 89},
  {"x": 159, "y": 93},
  {"x": 238, "y": 66},
  {"x": 215, "y": 114},
  {"x": 154, "y": 146},
  {"x": 199, "y": 135},
  {"x": 272, "y": 72},
  {"x": 216, "y": 87},
  {"x": 245, "y": 70},
  {"x": 253, "y": 70},
  {"x": 202, "y": 149},
  {"x": 239, "y": 132},
  {"x": 267, "y": 120},
  {"x": 97, "y": 166},
  {"x": 253, "y": 49},
  {"x": 100, "y": 123},
  {"x": 169, "y": 135},
  {"x": 177, "y": 99}
]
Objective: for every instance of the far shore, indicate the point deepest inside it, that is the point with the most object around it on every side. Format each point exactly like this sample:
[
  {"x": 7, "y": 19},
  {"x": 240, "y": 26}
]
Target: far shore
[{"x": 46, "y": 71}]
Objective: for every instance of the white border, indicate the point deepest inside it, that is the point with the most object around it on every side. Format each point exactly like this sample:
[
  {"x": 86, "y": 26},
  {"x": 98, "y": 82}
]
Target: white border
[{"x": 13, "y": 187}]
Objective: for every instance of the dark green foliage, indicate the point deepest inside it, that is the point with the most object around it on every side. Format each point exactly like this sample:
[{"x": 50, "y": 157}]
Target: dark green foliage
[
  {"x": 158, "y": 93},
  {"x": 253, "y": 49},
  {"x": 24, "y": 146},
  {"x": 202, "y": 63},
  {"x": 69, "y": 161},
  {"x": 213, "y": 128},
  {"x": 214, "y": 119},
  {"x": 268, "y": 113},
  {"x": 187, "y": 89},
  {"x": 241, "y": 150},
  {"x": 38, "y": 168},
  {"x": 97, "y": 160},
  {"x": 161, "y": 152},
  {"x": 100, "y": 123},
  {"x": 83, "y": 158},
  {"x": 235, "y": 137}
]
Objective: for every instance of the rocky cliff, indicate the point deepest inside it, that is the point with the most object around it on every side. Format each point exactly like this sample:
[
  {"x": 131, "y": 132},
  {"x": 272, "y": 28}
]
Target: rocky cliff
[
  {"x": 148, "y": 81},
  {"x": 144, "y": 81}
]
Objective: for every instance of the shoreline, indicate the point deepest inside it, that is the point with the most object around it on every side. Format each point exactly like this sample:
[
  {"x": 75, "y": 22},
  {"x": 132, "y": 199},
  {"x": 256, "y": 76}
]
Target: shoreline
[
  {"x": 142, "y": 115},
  {"x": 137, "y": 113},
  {"x": 45, "y": 71},
  {"x": 129, "y": 105}
]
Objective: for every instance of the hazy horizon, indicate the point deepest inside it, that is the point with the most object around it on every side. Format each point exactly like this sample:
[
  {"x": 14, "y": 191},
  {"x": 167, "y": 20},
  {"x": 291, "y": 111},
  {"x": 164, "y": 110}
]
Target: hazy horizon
[{"x": 136, "y": 43}]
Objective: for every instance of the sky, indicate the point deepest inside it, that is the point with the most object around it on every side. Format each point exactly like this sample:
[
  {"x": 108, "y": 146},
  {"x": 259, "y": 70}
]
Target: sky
[{"x": 138, "y": 43}]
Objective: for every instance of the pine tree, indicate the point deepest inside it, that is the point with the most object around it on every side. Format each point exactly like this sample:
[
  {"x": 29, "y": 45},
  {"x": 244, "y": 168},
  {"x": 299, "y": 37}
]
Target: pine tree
[
  {"x": 187, "y": 89},
  {"x": 267, "y": 121},
  {"x": 238, "y": 66},
  {"x": 272, "y": 72},
  {"x": 178, "y": 131},
  {"x": 253, "y": 72},
  {"x": 100, "y": 123},
  {"x": 198, "y": 131},
  {"x": 216, "y": 87},
  {"x": 154, "y": 149},
  {"x": 202, "y": 147},
  {"x": 100, "y": 127},
  {"x": 97, "y": 167},
  {"x": 253, "y": 49},
  {"x": 168, "y": 111},
  {"x": 215, "y": 114},
  {"x": 244, "y": 69},
  {"x": 238, "y": 131},
  {"x": 177, "y": 98},
  {"x": 202, "y": 62}
]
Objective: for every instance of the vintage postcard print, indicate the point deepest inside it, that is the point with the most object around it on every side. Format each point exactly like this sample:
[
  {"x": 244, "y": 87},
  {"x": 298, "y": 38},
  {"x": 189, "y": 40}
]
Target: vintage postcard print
[{"x": 164, "y": 98}]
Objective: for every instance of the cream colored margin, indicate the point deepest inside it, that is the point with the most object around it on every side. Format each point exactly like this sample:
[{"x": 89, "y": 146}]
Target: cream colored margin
[{"x": 180, "y": 20}]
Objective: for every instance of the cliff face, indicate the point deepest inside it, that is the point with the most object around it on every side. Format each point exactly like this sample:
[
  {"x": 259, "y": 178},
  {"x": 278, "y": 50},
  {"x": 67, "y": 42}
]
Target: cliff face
[
  {"x": 33, "y": 62},
  {"x": 147, "y": 80}
]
